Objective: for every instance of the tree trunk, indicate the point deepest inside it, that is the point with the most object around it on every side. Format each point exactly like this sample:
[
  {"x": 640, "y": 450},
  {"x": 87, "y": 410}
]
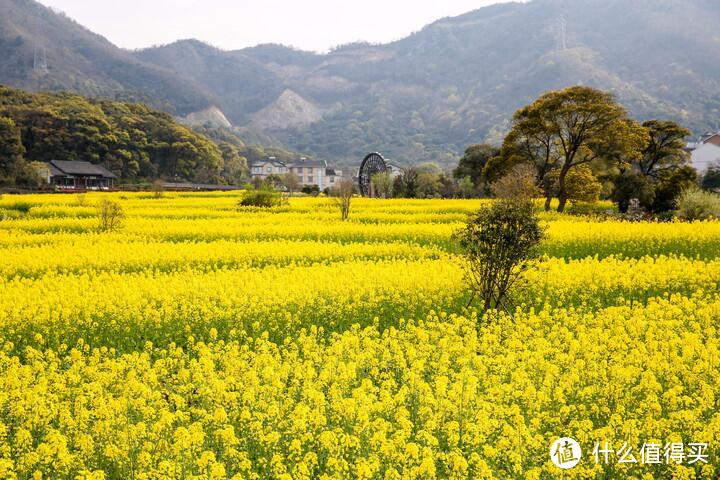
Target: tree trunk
[
  {"x": 548, "y": 201},
  {"x": 562, "y": 193},
  {"x": 563, "y": 202}
]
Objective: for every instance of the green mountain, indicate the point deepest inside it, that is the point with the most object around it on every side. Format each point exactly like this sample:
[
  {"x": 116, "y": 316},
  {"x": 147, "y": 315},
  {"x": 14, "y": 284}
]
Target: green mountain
[
  {"x": 456, "y": 82},
  {"x": 33, "y": 37},
  {"x": 425, "y": 97}
]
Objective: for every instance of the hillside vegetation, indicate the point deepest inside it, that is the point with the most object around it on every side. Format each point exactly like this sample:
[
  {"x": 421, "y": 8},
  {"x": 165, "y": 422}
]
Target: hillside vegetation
[{"x": 132, "y": 140}]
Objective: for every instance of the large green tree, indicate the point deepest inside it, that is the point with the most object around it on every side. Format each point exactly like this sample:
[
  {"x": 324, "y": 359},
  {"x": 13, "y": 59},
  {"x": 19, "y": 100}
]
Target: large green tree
[
  {"x": 563, "y": 130},
  {"x": 660, "y": 173},
  {"x": 12, "y": 163}
]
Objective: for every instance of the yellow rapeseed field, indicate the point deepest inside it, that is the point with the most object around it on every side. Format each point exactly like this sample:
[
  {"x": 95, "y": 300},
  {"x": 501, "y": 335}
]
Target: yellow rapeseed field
[{"x": 207, "y": 341}]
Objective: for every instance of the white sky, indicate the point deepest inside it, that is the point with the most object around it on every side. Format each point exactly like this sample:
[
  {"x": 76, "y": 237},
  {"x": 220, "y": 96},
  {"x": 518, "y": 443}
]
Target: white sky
[{"x": 232, "y": 24}]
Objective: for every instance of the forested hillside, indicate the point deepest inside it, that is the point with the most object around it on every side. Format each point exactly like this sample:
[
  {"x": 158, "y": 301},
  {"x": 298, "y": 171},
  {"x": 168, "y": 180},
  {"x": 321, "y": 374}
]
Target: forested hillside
[{"x": 132, "y": 140}]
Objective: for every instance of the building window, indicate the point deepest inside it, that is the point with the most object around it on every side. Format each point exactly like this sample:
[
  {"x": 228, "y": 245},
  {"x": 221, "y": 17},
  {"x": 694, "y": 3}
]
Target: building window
[
  {"x": 309, "y": 179},
  {"x": 299, "y": 169},
  {"x": 332, "y": 179},
  {"x": 310, "y": 171},
  {"x": 269, "y": 169}
]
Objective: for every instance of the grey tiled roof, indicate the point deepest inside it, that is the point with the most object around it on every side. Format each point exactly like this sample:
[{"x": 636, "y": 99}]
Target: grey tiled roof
[
  {"x": 85, "y": 169},
  {"x": 309, "y": 163}
]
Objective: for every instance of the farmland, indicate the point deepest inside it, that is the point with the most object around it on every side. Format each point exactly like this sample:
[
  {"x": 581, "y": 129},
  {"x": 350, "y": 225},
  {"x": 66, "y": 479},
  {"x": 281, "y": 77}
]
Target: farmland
[{"x": 203, "y": 340}]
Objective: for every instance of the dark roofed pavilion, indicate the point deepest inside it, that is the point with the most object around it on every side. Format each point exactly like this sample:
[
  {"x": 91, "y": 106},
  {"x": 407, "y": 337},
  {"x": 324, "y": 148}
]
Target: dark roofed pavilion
[{"x": 75, "y": 175}]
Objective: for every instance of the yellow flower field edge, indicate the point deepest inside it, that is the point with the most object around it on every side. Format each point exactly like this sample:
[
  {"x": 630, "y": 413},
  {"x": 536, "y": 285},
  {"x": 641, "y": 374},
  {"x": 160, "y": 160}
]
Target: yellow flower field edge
[
  {"x": 429, "y": 399},
  {"x": 179, "y": 219}
]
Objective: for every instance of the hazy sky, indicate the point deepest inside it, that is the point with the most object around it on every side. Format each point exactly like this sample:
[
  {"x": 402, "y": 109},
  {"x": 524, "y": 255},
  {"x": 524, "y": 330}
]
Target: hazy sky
[{"x": 230, "y": 24}]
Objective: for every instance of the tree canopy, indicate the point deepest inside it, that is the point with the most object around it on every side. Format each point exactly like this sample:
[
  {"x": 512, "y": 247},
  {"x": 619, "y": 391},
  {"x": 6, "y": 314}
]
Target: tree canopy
[
  {"x": 563, "y": 130},
  {"x": 132, "y": 140}
]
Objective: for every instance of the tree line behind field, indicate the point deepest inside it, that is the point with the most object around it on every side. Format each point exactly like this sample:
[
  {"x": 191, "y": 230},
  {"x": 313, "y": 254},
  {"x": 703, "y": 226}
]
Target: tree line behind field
[{"x": 580, "y": 146}]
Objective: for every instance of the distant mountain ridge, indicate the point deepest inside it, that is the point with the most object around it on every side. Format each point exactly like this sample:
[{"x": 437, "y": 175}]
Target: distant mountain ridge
[
  {"x": 82, "y": 62},
  {"x": 422, "y": 98}
]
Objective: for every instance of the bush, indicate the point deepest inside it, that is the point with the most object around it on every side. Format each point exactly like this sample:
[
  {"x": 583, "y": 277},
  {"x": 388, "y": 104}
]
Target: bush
[
  {"x": 312, "y": 190},
  {"x": 711, "y": 179},
  {"x": 342, "y": 194},
  {"x": 110, "y": 216},
  {"x": 158, "y": 189},
  {"x": 669, "y": 187},
  {"x": 696, "y": 204},
  {"x": 499, "y": 242},
  {"x": 263, "y": 198},
  {"x": 519, "y": 184}
]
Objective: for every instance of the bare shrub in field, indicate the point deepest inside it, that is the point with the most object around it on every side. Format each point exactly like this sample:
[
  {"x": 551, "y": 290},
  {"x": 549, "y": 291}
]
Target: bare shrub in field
[
  {"x": 519, "y": 184},
  {"x": 110, "y": 216},
  {"x": 342, "y": 194}
]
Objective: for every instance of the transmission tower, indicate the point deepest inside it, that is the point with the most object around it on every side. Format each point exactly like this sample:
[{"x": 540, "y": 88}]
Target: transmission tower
[
  {"x": 40, "y": 64},
  {"x": 562, "y": 34}
]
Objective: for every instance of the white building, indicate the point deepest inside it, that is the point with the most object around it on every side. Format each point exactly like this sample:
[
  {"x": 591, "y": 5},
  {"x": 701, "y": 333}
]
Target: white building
[
  {"x": 309, "y": 172},
  {"x": 705, "y": 153},
  {"x": 268, "y": 167}
]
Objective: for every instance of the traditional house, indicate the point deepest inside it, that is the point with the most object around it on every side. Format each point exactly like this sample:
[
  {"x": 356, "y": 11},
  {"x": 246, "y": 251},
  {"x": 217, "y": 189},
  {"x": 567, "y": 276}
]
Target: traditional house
[
  {"x": 74, "y": 175},
  {"x": 705, "y": 153}
]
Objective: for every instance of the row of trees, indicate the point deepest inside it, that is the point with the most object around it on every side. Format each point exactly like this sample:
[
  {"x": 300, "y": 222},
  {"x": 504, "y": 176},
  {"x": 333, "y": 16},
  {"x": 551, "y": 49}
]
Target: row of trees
[{"x": 581, "y": 144}]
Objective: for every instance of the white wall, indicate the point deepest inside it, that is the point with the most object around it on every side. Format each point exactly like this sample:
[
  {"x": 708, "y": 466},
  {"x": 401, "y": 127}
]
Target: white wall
[{"x": 705, "y": 156}]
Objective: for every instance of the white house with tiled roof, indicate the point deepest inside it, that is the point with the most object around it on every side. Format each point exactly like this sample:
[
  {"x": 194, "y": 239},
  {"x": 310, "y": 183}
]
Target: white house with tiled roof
[{"x": 309, "y": 172}]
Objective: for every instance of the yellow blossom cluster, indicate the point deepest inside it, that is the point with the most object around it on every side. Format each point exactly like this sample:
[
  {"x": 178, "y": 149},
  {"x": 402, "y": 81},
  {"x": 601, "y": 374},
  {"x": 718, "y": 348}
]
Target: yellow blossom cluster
[
  {"x": 426, "y": 399},
  {"x": 206, "y": 340}
]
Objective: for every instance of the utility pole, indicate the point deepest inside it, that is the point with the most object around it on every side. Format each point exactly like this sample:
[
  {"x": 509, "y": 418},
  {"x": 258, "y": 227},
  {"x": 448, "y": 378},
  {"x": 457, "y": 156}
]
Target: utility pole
[
  {"x": 562, "y": 34},
  {"x": 40, "y": 64}
]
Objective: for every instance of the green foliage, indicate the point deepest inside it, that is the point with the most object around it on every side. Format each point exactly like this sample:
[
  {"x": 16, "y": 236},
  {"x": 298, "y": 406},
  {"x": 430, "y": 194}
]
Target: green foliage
[
  {"x": 466, "y": 188},
  {"x": 313, "y": 190},
  {"x": 428, "y": 185},
  {"x": 14, "y": 170},
  {"x": 382, "y": 185},
  {"x": 499, "y": 242},
  {"x": 581, "y": 184},
  {"x": 262, "y": 198},
  {"x": 473, "y": 162},
  {"x": 405, "y": 185},
  {"x": 711, "y": 179},
  {"x": 696, "y": 204},
  {"x": 130, "y": 139},
  {"x": 632, "y": 185},
  {"x": 670, "y": 184},
  {"x": 563, "y": 130},
  {"x": 665, "y": 149}
]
